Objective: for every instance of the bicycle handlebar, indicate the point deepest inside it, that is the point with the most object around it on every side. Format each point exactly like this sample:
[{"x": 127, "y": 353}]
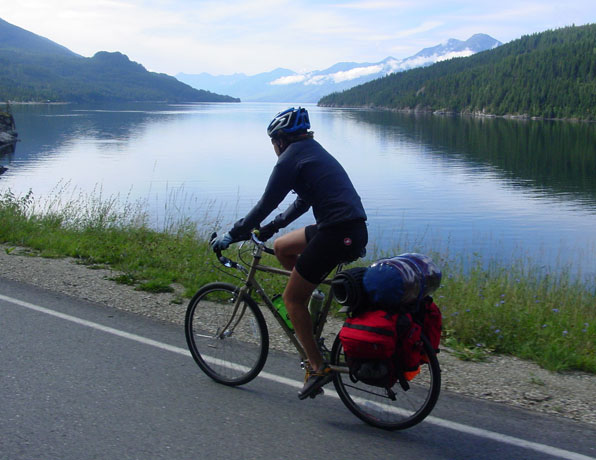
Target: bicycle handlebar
[
  {"x": 222, "y": 259},
  {"x": 225, "y": 261},
  {"x": 260, "y": 243}
]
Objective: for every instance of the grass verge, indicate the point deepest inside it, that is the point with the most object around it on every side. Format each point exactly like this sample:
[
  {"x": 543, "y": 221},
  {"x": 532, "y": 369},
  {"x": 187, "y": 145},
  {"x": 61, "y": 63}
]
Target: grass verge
[{"x": 513, "y": 310}]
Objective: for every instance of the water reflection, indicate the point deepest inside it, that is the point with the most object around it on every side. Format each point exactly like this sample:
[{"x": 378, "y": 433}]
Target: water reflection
[
  {"x": 49, "y": 128},
  {"x": 551, "y": 157},
  {"x": 489, "y": 186}
]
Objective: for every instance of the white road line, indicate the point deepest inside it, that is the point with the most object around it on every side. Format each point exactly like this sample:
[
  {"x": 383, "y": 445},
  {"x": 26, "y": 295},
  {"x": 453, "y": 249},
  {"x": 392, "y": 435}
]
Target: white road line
[{"x": 542, "y": 448}]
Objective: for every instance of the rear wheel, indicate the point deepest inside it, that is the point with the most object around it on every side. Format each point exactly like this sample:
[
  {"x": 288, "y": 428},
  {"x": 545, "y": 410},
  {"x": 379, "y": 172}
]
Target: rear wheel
[
  {"x": 374, "y": 405},
  {"x": 230, "y": 345}
]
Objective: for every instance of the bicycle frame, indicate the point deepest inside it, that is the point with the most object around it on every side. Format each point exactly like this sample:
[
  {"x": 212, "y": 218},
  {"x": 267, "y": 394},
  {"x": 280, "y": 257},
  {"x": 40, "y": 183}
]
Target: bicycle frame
[
  {"x": 236, "y": 362},
  {"x": 251, "y": 284}
]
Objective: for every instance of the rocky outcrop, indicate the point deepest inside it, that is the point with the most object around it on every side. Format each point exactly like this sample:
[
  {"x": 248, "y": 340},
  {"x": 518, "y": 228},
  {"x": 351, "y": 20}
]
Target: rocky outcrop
[{"x": 8, "y": 134}]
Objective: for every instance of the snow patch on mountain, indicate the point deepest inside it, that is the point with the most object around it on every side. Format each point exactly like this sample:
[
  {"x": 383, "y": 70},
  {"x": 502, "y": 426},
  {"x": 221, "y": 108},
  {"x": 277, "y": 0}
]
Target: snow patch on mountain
[{"x": 283, "y": 85}]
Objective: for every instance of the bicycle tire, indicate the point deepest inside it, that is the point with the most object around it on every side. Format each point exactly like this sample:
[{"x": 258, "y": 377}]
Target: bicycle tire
[
  {"x": 234, "y": 356},
  {"x": 373, "y": 405}
]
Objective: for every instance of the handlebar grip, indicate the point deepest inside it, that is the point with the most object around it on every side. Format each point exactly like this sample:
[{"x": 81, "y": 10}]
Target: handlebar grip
[
  {"x": 217, "y": 251},
  {"x": 222, "y": 259}
]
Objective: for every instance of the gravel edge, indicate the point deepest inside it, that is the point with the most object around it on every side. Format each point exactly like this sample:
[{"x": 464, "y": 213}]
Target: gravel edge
[{"x": 502, "y": 379}]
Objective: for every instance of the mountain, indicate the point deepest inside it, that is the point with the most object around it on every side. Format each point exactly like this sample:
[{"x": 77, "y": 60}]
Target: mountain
[
  {"x": 17, "y": 39},
  {"x": 37, "y": 69},
  {"x": 550, "y": 75},
  {"x": 283, "y": 85}
]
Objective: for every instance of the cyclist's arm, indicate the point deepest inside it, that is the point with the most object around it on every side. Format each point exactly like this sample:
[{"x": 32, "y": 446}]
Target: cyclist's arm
[
  {"x": 293, "y": 212},
  {"x": 279, "y": 185}
]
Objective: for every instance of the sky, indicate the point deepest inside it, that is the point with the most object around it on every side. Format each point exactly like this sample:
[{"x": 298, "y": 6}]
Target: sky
[{"x": 223, "y": 37}]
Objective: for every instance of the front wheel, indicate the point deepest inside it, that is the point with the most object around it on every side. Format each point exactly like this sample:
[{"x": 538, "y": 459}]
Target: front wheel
[
  {"x": 228, "y": 340},
  {"x": 375, "y": 405}
]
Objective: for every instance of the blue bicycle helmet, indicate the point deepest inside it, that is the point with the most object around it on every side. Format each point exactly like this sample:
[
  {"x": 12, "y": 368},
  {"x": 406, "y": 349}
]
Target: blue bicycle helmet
[{"x": 289, "y": 121}]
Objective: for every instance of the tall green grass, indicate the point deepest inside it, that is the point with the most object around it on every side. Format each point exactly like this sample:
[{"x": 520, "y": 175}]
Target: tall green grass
[
  {"x": 520, "y": 311},
  {"x": 515, "y": 310},
  {"x": 105, "y": 233}
]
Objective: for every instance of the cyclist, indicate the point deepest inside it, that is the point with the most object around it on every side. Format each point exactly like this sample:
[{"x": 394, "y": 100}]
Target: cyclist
[{"x": 311, "y": 253}]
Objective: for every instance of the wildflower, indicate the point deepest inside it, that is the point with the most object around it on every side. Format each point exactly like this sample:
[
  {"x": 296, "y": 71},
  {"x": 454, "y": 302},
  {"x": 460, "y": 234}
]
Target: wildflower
[
  {"x": 497, "y": 331},
  {"x": 555, "y": 310},
  {"x": 467, "y": 310},
  {"x": 565, "y": 332},
  {"x": 544, "y": 325}
]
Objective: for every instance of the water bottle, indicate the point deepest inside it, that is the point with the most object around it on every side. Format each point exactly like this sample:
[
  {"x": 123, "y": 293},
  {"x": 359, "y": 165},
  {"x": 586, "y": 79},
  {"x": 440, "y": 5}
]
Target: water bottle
[
  {"x": 315, "y": 305},
  {"x": 278, "y": 303}
]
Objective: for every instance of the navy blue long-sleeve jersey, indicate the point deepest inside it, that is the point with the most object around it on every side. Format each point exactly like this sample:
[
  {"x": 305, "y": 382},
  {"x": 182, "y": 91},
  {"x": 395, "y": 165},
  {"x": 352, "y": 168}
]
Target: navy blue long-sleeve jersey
[{"x": 319, "y": 181}]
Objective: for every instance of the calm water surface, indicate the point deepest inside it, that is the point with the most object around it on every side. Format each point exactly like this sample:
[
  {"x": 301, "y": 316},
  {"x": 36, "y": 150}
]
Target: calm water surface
[{"x": 489, "y": 188}]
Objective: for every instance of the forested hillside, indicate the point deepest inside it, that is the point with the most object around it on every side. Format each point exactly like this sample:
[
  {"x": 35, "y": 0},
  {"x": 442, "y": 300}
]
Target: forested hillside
[
  {"x": 550, "y": 74},
  {"x": 37, "y": 69}
]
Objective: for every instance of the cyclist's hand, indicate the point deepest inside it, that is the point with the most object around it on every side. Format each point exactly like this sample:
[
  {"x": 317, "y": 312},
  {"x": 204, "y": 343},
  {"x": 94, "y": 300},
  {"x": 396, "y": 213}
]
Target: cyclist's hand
[
  {"x": 267, "y": 231},
  {"x": 219, "y": 243}
]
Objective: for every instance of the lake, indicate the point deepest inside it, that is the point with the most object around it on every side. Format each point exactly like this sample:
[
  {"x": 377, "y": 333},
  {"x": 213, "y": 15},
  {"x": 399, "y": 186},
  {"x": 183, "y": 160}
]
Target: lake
[{"x": 470, "y": 188}]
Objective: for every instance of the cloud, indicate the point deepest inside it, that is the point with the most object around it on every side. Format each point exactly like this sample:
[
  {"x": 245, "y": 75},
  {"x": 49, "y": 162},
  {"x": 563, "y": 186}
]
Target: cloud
[
  {"x": 405, "y": 33},
  {"x": 455, "y": 54},
  {"x": 195, "y": 36},
  {"x": 336, "y": 77},
  {"x": 382, "y": 5},
  {"x": 356, "y": 73},
  {"x": 289, "y": 80}
]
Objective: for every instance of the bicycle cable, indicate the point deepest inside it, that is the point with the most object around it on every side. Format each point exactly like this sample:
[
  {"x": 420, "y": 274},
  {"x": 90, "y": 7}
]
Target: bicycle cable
[{"x": 219, "y": 268}]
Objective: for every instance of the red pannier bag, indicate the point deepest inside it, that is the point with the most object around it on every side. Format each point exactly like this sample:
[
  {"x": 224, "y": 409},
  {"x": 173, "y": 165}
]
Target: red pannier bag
[
  {"x": 369, "y": 343},
  {"x": 429, "y": 316},
  {"x": 409, "y": 351},
  {"x": 370, "y": 335},
  {"x": 433, "y": 323}
]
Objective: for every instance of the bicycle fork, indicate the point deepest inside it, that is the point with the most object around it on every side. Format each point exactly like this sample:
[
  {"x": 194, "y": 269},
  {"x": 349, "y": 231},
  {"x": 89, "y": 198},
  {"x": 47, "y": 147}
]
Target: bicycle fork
[{"x": 228, "y": 329}]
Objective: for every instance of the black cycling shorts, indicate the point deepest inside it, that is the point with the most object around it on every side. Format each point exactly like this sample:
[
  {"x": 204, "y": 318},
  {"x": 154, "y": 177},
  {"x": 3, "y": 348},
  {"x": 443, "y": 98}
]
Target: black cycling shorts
[{"x": 329, "y": 246}]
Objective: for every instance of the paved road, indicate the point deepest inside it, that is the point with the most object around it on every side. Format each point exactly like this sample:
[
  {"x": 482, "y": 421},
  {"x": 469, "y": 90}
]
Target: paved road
[{"x": 82, "y": 381}]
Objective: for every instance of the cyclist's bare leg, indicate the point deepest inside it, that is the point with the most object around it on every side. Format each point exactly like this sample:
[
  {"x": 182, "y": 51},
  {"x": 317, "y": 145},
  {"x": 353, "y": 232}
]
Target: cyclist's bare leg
[
  {"x": 297, "y": 293},
  {"x": 289, "y": 246},
  {"x": 296, "y": 296}
]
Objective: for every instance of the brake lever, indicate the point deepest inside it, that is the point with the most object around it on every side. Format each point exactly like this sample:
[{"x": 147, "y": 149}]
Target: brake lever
[
  {"x": 258, "y": 242},
  {"x": 229, "y": 263}
]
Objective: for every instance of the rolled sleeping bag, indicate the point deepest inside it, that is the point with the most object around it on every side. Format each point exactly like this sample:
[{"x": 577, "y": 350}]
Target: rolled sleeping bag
[{"x": 407, "y": 278}]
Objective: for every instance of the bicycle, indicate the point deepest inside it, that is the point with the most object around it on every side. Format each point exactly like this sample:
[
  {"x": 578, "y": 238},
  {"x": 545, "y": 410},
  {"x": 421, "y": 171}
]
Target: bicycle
[{"x": 228, "y": 338}]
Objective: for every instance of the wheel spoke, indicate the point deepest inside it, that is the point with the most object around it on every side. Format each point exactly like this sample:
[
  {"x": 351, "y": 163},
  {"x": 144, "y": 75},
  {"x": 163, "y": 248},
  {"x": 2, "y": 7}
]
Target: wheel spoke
[
  {"x": 229, "y": 344},
  {"x": 375, "y": 406}
]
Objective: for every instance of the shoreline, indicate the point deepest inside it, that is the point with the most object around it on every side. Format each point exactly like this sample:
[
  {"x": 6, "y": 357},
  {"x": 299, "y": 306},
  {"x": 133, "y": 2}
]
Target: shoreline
[
  {"x": 415, "y": 111},
  {"x": 34, "y": 103},
  {"x": 450, "y": 113},
  {"x": 500, "y": 379}
]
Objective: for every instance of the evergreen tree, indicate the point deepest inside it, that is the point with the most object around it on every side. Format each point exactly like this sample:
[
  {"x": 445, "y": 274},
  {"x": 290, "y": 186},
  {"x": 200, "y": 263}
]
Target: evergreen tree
[{"x": 550, "y": 74}]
